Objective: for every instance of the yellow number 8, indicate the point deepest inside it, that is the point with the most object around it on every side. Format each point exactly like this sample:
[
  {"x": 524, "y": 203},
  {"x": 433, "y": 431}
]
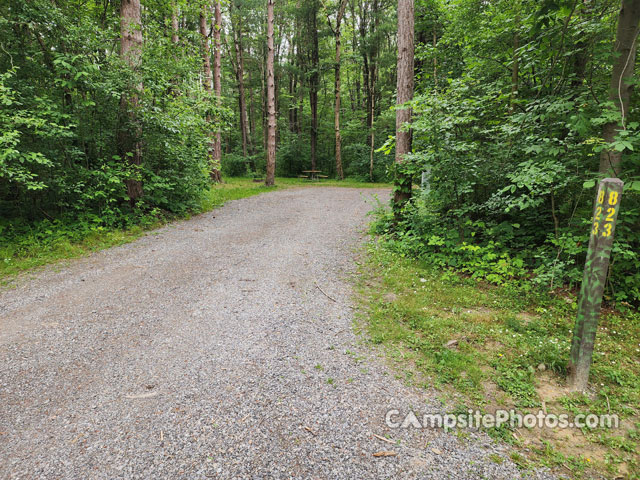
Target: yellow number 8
[
  {"x": 601, "y": 196},
  {"x": 613, "y": 198}
]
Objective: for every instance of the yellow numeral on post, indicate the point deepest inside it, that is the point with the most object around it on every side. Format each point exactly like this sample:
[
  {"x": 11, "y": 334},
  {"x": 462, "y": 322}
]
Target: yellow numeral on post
[
  {"x": 595, "y": 228},
  {"x": 613, "y": 198},
  {"x": 601, "y": 196},
  {"x": 610, "y": 213},
  {"x": 598, "y": 213},
  {"x": 607, "y": 230}
]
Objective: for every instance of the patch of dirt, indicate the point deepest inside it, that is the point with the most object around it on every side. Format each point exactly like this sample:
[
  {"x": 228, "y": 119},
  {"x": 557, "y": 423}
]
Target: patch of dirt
[{"x": 549, "y": 389}]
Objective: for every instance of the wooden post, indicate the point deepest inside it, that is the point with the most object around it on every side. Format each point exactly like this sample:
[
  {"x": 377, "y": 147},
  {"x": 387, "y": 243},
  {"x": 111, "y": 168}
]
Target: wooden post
[{"x": 605, "y": 214}]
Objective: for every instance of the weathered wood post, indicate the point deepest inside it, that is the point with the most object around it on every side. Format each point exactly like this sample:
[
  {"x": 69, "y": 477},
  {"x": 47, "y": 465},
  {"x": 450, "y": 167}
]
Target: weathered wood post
[{"x": 605, "y": 214}]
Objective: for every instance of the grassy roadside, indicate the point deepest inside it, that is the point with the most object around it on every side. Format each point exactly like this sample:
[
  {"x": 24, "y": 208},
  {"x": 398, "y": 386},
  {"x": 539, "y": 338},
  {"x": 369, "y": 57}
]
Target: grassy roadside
[
  {"x": 495, "y": 348},
  {"x": 42, "y": 246}
]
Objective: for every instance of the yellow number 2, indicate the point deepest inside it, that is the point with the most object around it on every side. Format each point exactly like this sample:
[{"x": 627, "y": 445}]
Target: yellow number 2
[{"x": 610, "y": 213}]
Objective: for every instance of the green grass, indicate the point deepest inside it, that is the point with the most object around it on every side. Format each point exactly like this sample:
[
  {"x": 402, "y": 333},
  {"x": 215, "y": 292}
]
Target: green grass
[
  {"x": 493, "y": 347},
  {"x": 37, "y": 247}
]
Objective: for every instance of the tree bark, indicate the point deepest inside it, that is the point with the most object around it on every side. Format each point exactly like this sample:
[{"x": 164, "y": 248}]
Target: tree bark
[
  {"x": 130, "y": 135},
  {"x": 373, "y": 57},
  {"x": 365, "y": 63},
  {"x": 402, "y": 190},
  {"x": 515, "y": 65},
  {"x": 271, "y": 100},
  {"x": 206, "y": 61},
  {"x": 206, "y": 84},
  {"x": 215, "y": 173},
  {"x": 355, "y": 103},
  {"x": 435, "y": 59},
  {"x": 620, "y": 88},
  {"x": 174, "y": 23},
  {"x": 314, "y": 81},
  {"x": 336, "y": 114},
  {"x": 237, "y": 42},
  {"x": 372, "y": 135}
]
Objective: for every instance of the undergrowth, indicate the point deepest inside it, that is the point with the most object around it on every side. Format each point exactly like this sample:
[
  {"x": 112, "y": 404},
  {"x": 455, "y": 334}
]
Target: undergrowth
[{"x": 490, "y": 347}]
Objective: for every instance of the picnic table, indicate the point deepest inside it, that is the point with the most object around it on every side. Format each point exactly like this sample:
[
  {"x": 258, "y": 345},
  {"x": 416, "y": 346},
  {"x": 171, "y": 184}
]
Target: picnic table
[{"x": 313, "y": 174}]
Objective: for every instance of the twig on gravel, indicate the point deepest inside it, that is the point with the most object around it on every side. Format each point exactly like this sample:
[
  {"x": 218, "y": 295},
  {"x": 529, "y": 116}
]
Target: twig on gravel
[
  {"x": 385, "y": 454},
  {"x": 142, "y": 395},
  {"x": 383, "y": 439},
  {"x": 310, "y": 431},
  {"x": 325, "y": 293}
]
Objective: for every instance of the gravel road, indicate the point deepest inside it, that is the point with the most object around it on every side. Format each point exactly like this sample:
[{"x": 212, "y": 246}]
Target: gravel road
[{"x": 207, "y": 349}]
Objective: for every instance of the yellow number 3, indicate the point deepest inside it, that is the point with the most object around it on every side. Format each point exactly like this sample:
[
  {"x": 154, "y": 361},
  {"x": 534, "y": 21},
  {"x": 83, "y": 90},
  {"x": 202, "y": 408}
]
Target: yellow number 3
[
  {"x": 613, "y": 198},
  {"x": 607, "y": 230}
]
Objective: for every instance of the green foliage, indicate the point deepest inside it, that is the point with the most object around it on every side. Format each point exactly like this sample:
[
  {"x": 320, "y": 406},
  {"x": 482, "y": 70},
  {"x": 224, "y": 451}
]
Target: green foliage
[
  {"x": 496, "y": 347},
  {"x": 511, "y": 168},
  {"x": 62, "y": 87},
  {"x": 234, "y": 165}
]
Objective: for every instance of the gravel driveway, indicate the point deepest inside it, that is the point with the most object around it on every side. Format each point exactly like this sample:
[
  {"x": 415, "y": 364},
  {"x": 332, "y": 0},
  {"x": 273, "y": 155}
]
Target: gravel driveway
[{"x": 207, "y": 349}]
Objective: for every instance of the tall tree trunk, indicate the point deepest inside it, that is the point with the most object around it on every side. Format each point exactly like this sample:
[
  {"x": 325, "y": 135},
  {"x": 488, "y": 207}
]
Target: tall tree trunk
[
  {"x": 620, "y": 88},
  {"x": 215, "y": 173},
  {"x": 373, "y": 57},
  {"x": 365, "y": 64},
  {"x": 402, "y": 191},
  {"x": 206, "y": 84},
  {"x": 271, "y": 99},
  {"x": 372, "y": 134},
  {"x": 336, "y": 114},
  {"x": 373, "y": 74},
  {"x": 314, "y": 81},
  {"x": 354, "y": 48},
  {"x": 206, "y": 61},
  {"x": 130, "y": 135},
  {"x": 174, "y": 23},
  {"x": 435, "y": 59},
  {"x": 237, "y": 42},
  {"x": 515, "y": 66}
]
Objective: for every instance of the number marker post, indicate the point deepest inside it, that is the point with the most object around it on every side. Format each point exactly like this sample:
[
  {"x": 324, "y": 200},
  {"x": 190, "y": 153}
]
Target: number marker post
[{"x": 605, "y": 214}]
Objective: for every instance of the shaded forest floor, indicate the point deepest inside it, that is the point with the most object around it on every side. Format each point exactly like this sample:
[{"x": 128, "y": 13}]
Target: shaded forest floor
[
  {"x": 487, "y": 347},
  {"x": 51, "y": 241}
]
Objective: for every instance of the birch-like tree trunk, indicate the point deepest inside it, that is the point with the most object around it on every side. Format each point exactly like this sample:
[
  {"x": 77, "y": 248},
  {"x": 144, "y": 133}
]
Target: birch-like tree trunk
[
  {"x": 271, "y": 100},
  {"x": 215, "y": 173},
  {"x": 174, "y": 23},
  {"x": 206, "y": 84},
  {"x": 130, "y": 134}
]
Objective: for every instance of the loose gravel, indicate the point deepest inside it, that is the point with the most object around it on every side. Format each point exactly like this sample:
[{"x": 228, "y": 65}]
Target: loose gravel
[{"x": 217, "y": 347}]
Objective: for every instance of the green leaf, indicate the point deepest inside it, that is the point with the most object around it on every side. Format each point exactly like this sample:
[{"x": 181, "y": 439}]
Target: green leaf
[{"x": 589, "y": 184}]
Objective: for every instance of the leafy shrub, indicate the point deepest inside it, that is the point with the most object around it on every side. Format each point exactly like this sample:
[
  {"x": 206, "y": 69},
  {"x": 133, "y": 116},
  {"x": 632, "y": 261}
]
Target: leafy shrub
[{"x": 234, "y": 165}]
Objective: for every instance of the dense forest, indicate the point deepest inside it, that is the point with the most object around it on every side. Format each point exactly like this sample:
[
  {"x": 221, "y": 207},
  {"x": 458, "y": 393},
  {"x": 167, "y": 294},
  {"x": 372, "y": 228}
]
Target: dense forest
[{"x": 116, "y": 109}]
